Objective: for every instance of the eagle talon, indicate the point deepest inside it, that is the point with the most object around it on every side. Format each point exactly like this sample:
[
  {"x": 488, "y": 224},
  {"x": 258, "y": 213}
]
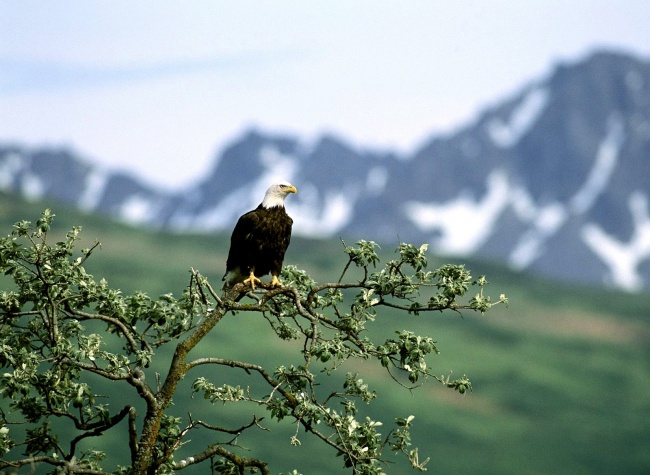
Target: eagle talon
[
  {"x": 251, "y": 281},
  {"x": 275, "y": 282}
]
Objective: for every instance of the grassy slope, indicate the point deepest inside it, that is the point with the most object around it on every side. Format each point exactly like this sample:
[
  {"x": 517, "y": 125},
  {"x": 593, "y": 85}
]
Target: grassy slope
[{"x": 560, "y": 377}]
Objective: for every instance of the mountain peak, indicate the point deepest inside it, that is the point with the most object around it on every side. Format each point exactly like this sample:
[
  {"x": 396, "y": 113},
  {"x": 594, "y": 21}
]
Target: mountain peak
[{"x": 552, "y": 180}]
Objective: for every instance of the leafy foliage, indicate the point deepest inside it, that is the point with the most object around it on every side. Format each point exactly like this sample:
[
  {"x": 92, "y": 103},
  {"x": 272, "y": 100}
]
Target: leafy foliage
[{"x": 62, "y": 330}]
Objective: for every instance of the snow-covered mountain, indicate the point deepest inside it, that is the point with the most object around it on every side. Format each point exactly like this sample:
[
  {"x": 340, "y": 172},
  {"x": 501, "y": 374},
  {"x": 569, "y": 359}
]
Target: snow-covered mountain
[{"x": 555, "y": 179}]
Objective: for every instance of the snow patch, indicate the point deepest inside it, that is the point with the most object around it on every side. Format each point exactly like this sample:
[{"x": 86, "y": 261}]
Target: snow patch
[
  {"x": 93, "y": 190},
  {"x": 507, "y": 134},
  {"x": 464, "y": 223},
  {"x": 12, "y": 164},
  {"x": 15, "y": 175},
  {"x": 622, "y": 258},
  {"x": 545, "y": 222},
  {"x": 277, "y": 167},
  {"x": 225, "y": 213},
  {"x": 32, "y": 187},
  {"x": 325, "y": 221},
  {"x": 137, "y": 209},
  {"x": 318, "y": 217},
  {"x": 601, "y": 172}
]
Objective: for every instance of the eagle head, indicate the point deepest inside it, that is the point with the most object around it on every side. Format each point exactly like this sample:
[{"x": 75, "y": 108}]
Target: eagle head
[{"x": 277, "y": 193}]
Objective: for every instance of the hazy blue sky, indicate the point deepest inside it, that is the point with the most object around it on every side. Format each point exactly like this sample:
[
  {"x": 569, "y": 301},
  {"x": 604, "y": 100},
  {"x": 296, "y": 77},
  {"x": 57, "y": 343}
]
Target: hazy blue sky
[{"x": 158, "y": 87}]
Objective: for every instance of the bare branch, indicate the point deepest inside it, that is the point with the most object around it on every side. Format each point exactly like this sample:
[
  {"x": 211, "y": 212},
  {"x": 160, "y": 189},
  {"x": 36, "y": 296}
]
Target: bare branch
[
  {"x": 133, "y": 433},
  {"x": 65, "y": 465},
  {"x": 128, "y": 332},
  {"x": 87, "y": 255},
  {"x": 241, "y": 462},
  {"x": 248, "y": 367},
  {"x": 239, "y": 430},
  {"x": 99, "y": 428},
  {"x": 135, "y": 378}
]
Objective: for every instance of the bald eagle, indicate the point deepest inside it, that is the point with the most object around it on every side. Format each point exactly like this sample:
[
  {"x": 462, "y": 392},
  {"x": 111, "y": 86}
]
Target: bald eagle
[{"x": 260, "y": 239}]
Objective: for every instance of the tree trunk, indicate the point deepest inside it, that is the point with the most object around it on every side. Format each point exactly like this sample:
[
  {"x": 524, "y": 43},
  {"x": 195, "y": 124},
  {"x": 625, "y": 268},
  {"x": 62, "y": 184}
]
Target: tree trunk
[{"x": 144, "y": 464}]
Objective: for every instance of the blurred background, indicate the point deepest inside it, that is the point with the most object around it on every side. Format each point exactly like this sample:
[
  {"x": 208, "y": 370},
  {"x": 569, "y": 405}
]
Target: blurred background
[
  {"x": 513, "y": 136},
  {"x": 518, "y": 132},
  {"x": 157, "y": 88}
]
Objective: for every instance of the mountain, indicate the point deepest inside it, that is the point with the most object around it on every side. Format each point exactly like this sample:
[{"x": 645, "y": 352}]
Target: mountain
[{"x": 555, "y": 180}]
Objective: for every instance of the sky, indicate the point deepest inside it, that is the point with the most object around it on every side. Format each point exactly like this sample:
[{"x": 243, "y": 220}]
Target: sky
[{"x": 160, "y": 87}]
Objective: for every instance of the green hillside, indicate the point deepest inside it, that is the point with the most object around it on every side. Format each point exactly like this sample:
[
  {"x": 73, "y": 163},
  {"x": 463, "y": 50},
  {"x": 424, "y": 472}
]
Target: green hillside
[{"x": 560, "y": 377}]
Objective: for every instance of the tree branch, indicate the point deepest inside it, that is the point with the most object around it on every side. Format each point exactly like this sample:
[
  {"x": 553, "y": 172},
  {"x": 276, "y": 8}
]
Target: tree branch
[
  {"x": 248, "y": 367},
  {"x": 66, "y": 466},
  {"x": 86, "y": 255},
  {"x": 237, "y": 431},
  {"x": 128, "y": 332},
  {"x": 133, "y": 433},
  {"x": 99, "y": 428},
  {"x": 134, "y": 377},
  {"x": 241, "y": 462}
]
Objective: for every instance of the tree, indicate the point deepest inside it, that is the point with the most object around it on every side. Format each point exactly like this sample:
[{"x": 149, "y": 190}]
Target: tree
[{"x": 60, "y": 329}]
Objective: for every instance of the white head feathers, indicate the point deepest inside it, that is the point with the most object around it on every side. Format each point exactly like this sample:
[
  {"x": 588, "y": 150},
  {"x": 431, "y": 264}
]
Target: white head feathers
[{"x": 277, "y": 193}]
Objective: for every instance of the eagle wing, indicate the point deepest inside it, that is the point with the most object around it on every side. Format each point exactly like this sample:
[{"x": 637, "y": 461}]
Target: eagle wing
[
  {"x": 258, "y": 242},
  {"x": 241, "y": 240}
]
